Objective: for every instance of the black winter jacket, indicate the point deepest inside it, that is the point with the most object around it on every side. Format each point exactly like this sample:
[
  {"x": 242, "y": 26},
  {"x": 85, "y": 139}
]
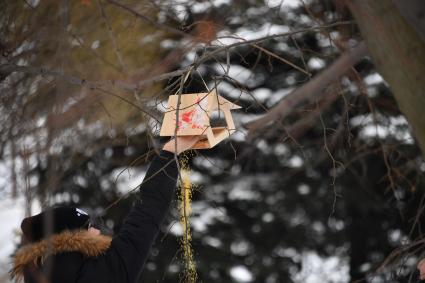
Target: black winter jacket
[{"x": 76, "y": 256}]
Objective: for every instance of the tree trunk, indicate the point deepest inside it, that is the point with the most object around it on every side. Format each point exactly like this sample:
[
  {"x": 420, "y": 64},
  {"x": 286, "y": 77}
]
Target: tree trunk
[
  {"x": 399, "y": 55},
  {"x": 414, "y": 13}
]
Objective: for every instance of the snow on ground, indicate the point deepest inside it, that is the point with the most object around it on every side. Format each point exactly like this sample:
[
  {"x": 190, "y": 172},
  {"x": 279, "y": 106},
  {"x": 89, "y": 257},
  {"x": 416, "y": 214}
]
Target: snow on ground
[
  {"x": 241, "y": 274},
  {"x": 284, "y": 4},
  {"x": 396, "y": 127},
  {"x": 373, "y": 79},
  {"x": 317, "y": 269}
]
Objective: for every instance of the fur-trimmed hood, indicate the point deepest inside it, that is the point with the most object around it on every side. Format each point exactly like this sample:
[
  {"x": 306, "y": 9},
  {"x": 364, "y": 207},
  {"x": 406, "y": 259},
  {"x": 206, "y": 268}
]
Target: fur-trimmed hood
[{"x": 69, "y": 241}]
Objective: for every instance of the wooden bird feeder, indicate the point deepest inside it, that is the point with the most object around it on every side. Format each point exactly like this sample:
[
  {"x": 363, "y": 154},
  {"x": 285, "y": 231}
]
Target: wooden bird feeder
[{"x": 194, "y": 118}]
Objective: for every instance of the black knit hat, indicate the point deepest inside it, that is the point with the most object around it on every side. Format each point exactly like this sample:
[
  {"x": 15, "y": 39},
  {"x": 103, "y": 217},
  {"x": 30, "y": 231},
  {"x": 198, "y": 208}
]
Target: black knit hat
[{"x": 61, "y": 217}]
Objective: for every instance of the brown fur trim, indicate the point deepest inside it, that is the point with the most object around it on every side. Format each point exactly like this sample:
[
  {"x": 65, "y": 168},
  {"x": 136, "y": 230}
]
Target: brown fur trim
[{"x": 69, "y": 241}]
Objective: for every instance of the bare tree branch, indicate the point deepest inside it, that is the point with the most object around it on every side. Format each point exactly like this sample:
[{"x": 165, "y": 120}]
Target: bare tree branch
[
  {"x": 313, "y": 88},
  {"x": 112, "y": 36},
  {"x": 146, "y": 19},
  {"x": 211, "y": 54},
  {"x": 10, "y": 68}
]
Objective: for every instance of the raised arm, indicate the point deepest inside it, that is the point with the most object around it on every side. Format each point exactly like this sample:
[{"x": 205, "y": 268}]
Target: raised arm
[{"x": 132, "y": 245}]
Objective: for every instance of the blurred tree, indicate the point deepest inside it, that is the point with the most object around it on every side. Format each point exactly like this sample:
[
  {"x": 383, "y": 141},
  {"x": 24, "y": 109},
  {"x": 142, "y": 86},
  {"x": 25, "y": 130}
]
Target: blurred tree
[
  {"x": 337, "y": 178},
  {"x": 398, "y": 51}
]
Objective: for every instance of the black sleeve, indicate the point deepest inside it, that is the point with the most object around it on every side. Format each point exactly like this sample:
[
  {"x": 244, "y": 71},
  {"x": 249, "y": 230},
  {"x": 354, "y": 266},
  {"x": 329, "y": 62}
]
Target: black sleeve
[{"x": 133, "y": 243}]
